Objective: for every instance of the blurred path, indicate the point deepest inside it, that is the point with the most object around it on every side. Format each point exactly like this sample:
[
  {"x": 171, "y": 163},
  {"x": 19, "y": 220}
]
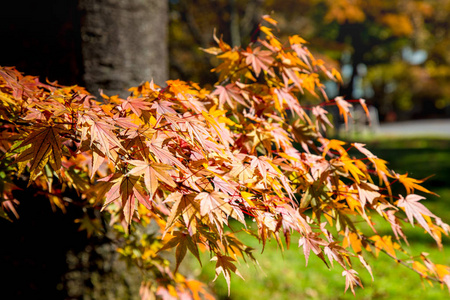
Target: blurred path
[{"x": 429, "y": 128}]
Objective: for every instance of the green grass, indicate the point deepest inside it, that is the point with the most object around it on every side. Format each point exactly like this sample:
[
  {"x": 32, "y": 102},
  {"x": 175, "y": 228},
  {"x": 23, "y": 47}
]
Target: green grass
[{"x": 284, "y": 275}]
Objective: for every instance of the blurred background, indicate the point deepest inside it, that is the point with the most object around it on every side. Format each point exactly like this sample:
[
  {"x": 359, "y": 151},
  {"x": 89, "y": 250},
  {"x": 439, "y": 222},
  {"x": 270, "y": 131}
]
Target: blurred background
[{"x": 393, "y": 53}]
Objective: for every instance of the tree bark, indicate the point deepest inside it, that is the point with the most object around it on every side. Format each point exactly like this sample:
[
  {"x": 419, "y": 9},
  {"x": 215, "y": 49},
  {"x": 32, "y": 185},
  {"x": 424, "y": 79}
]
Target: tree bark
[{"x": 124, "y": 43}]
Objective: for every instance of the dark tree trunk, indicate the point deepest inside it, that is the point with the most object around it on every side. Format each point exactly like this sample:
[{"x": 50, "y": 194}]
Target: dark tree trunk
[
  {"x": 101, "y": 44},
  {"x": 123, "y": 43}
]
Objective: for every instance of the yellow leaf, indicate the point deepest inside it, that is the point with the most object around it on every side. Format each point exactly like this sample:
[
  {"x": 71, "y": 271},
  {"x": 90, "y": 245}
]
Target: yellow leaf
[
  {"x": 267, "y": 18},
  {"x": 247, "y": 197},
  {"x": 295, "y": 39},
  {"x": 333, "y": 144},
  {"x": 350, "y": 167},
  {"x": 45, "y": 145},
  {"x": 411, "y": 184},
  {"x": 266, "y": 30},
  {"x": 420, "y": 268}
]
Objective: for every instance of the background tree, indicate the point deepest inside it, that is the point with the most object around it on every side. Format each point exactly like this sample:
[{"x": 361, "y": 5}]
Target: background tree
[
  {"x": 88, "y": 42},
  {"x": 370, "y": 41},
  {"x": 123, "y": 43}
]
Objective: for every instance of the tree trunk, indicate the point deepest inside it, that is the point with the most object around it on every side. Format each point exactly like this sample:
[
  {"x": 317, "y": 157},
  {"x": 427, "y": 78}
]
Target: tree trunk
[{"x": 124, "y": 43}]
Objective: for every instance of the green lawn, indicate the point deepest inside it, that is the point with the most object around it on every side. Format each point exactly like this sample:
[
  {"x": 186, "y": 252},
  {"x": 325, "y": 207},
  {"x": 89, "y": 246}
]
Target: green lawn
[{"x": 284, "y": 275}]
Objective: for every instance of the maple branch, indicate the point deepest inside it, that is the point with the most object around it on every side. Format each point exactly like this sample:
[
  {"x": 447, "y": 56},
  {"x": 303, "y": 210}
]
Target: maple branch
[
  {"x": 17, "y": 123},
  {"x": 363, "y": 237}
]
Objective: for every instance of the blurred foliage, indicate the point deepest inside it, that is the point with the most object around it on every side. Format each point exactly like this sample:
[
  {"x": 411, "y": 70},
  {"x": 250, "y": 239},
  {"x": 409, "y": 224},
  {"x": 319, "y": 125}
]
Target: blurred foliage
[{"x": 394, "y": 53}]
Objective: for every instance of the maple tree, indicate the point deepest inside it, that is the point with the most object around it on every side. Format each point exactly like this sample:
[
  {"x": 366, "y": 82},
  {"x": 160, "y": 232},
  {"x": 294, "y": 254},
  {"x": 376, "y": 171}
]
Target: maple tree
[{"x": 186, "y": 161}]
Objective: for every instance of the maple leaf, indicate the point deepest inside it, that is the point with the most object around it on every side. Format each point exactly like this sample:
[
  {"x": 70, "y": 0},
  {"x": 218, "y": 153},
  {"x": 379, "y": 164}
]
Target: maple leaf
[
  {"x": 411, "y": 184},
  {"x": 137, "y": 105},
  {"x": 348, "y": 165},
  {"x": 333, "y": 144},
  {"x": 344, "y": 109},
  {"x": 177, "y": 158},
  {"x": 196, "y": 287},
  {"x": 364, "y": 263},
  {"x": 130, "y": 191},
  {"x": 91, "y": 226},
  {"x": 415, "y": 210},
  {"x": 367, "y": 193},
  {"x": 351, "y": 280},
  {"x": 284, "y": 94},
  {"x": 164, "y": 155},
  {"x": 219, "y": 128},
  {"x": 395, "y": 225},
  {"x": 198, "y": 131},
  {"x": 224, "y": 264},
  {"x": 183, "y": 205},
  {"x": 333, "y": 252},
  {"x": 152, "y": 172},
  {"x": 294, "y": 76},
  {"x": 127, "y": 189},
  {"x": 311, "y": 241},
  {"x": 229, "y": 187},
  {"x": 267, "y": 18},
  {"x": 228, "y": 94},
  {"x": 243, "y": 171},
  {"x": 102, "y": 133},
  {"x": 263, "y": 165},
  {"x": 164, "y": 107},
  {"x": 385, "y": 243},
  {"x": 39, "y": 147},
  {"x": 258, "y": 59},
  {"x": 96, "y": 161},
  {"x": 209, "y": 202},
  {"x": 321, "y": 117},
  {"x": 352, "y": 239},
  {"x": 366, "y": 110},
  {"x": 361, "y": 148},
  {"x": 183, "y": 242}
]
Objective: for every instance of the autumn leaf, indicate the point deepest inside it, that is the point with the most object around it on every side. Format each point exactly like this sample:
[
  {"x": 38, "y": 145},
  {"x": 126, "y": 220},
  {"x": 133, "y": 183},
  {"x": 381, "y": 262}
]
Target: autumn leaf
[
  {"x": 348, "y": 165},
  {"x": 415, "y": 210},
  {"x": 197, "y": 288},
  {"x": 344, "y": 108},
  {"x": 351, "y": 280},
  {"x": 334, "y": 252},
  {"x": 367, "y": 193},
  {"x": 267, "y": 18},
  {"x": 183, "y": 242},
  {"x": 312, "y": 242},
  {"x": 164, "y": 107},
  {"x": 137, "y": 105},
  {"x": 183, "y": 205},
  {"x": 209, "y": 202},
  {"x": 366, "y": 110},
  {"x": 284, "y": 95},
  {"x": 39, "y": 147},
  {"x": 91, "y": 225},
  {"x": 229, "y": 94},
  {"x": 258, "y": 59},
  {"x": 152, "y": 172},
  {"x": 163, "y": 154},
  {"x": 335, "y": 145},
  {"x": 125, "y": 189},
  {"x": 411, "y": 184},
  {"x": 385, "y": 243},
  {"x": 102, "y": 133},
  {"x": 224, "y": 265}
]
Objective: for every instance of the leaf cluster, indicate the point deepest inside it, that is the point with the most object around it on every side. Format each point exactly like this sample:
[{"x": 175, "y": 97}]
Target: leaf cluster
[{"x": 187, "y": 161}]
